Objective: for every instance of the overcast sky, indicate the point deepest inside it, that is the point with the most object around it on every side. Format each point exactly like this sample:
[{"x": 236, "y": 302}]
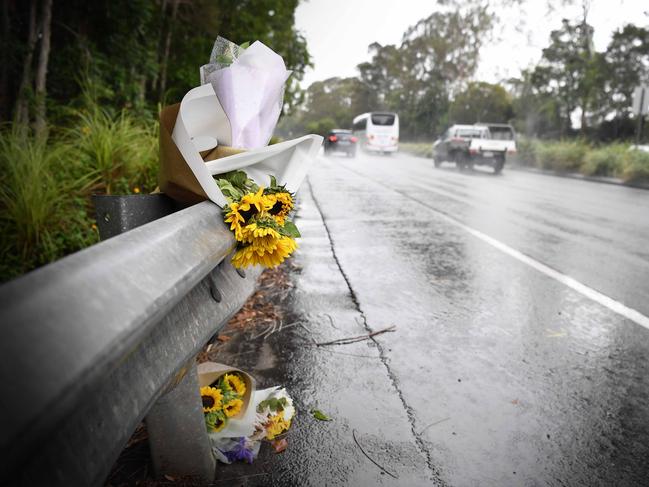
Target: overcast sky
[{"x": 339, "y": 31}]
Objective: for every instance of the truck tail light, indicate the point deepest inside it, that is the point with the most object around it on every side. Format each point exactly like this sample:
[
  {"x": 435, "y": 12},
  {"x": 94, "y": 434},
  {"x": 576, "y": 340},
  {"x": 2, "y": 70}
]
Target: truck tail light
[
  {"x": 333, "y": 138},
  {"x": 354, "y": 140}
]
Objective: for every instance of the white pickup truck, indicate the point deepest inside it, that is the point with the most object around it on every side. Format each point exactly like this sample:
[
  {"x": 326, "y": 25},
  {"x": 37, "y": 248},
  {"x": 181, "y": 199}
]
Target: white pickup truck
[{"x": 492, "y": 146}]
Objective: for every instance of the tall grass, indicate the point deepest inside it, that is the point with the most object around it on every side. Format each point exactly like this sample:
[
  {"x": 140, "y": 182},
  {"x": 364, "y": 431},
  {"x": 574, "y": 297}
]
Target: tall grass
[
  {"x": 561, "y": 156},
  {"x": 45, "y": 185},
  {"x": 607, "y": 160},
  {"x": 421, "y": 149},
  {"x": 118, "y": 149},
  {"x": 42, "y": 210},
  {"x": 636, "y": 167},
  {"x": 614, "y": 160}
]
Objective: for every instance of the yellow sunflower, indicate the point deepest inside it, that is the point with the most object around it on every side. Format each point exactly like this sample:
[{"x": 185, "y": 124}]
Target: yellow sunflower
[
  {"x": 276, "y": 426},
  {"x": 256, "y": 200},
  {"x": 282, "y": 206},
  {"x": 235, "y": 383},
  {"x": 219, "y": 422},
  {"x": 253, "y": 231},
  {"x": 267, "y": 251},
  {"x": 233, "y": 407},
  {"x": 235, "y": 219},
  {"x": 211, "y": 399}
]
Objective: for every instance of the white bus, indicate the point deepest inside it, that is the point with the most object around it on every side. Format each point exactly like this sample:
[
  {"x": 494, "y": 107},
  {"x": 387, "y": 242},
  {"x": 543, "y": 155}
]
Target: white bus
[{"x": 377, "y": 131}]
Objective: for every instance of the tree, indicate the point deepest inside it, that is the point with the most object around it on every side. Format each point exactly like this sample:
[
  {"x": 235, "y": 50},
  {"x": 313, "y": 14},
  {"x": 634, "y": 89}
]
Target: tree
[
  {"x": 569, "y": 70},
  {"x": 436, "y": 57},
  {"x": 40, "y": 127},
  {"x": 627, "y": 59},
  {"x": 536, "y": 113},
  {"x": 138, "y": 51},
  {"x": 481, "y": 102}
]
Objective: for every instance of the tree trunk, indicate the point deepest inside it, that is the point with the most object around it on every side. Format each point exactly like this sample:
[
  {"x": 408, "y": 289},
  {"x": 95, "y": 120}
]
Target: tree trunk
[
  {"x": 4, "y": 76},
  {"x": 154, "y": 78},
  {"x": 22, "y": 103},
  {"x": 167, "y": 48},
  {"x": 40, "y": 121}
]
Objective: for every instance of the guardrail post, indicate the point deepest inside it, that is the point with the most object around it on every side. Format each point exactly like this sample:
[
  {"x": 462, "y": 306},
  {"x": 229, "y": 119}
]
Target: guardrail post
[
  {"x": 177, "y": 435},
  {"x": 175, "y": 424}
]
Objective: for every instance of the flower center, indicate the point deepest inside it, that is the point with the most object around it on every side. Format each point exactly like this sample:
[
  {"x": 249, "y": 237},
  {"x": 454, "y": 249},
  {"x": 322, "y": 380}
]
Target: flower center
[
  {"x": 208, "y": 401},
  {"x": 277, "y": 208},
  {"x": 248, "y": 213}
]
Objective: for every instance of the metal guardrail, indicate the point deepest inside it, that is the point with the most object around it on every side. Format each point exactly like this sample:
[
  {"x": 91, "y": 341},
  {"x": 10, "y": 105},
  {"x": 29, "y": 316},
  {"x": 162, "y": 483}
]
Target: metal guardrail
[{"x": 93, "y": 343}]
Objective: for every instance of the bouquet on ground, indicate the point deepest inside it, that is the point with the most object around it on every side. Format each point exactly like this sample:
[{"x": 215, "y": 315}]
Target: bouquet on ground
[
  {"x": 259, "y": 217},
  {"x": 238, "y": 417},
  {"x": 223, "y": 400},
  {"x": 274, "y": 415}
]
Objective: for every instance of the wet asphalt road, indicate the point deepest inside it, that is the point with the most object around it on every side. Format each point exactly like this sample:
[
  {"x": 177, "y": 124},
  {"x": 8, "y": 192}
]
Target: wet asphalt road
[{"x": 498, "y": 374}]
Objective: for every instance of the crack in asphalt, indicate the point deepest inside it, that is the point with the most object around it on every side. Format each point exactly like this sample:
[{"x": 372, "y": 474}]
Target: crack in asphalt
[{"x": 383, "y": 356}]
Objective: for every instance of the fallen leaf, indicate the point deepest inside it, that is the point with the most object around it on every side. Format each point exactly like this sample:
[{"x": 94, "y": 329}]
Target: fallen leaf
[
  {"x": 224, "y": 338},
  {"x": 320, "y": 416},
  {"x": 515, "y": 402},
  {"x": 279, "y": 445},
  {"x": 170, "y": 478}
]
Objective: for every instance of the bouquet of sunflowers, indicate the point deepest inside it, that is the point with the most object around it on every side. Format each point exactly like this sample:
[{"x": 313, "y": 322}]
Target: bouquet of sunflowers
[
  {"x": 259, "y": 218},
  {"x": 274, "y": 415},
  {"x": 223, "y": 400}
]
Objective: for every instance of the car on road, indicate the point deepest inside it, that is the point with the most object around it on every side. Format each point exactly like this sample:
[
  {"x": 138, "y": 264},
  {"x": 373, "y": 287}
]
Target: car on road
[
  {"x": 377, "y": 131},
  {"x": 479, "y": 144},
  {"x": 340, "y": 140}
]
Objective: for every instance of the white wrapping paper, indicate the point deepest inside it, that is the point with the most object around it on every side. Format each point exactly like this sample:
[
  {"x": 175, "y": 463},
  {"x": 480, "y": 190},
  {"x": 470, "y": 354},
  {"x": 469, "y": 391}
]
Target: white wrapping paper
[
  {"x": 251, "y": 92},
  {"x": 201, "y": 117}
]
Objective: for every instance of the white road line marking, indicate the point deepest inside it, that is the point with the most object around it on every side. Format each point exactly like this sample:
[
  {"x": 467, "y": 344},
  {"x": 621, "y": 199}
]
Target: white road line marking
[{"x": 571, "y": 282}]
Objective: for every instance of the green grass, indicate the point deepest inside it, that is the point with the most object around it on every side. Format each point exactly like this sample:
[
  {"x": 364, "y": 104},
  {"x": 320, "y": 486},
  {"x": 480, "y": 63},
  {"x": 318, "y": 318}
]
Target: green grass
[
  {"x": 614, "y": 160},
  {"x": 45, "y": 185},
  {"x": 120, "y": 151},
  {"x": 635, "y": 168},
  {"x": 561, "y": 156},
  {"x": 421, "y": 149},
  {"x": 43, "y": 214}
]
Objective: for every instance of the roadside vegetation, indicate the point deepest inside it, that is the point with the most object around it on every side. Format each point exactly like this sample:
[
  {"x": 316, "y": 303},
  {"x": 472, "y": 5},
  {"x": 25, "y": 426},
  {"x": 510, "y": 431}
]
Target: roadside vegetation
[
  {"x": 80, "y": 90},
  {"x": 421, "y": 149},
  {"x": 617, "y": 160},
  {"x": 613, "y": 160},
  {"x": 46, "y": 182}
]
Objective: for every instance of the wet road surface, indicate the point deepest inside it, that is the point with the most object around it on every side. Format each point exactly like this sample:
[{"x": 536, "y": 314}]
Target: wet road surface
[{"x": 519, "y": 356}]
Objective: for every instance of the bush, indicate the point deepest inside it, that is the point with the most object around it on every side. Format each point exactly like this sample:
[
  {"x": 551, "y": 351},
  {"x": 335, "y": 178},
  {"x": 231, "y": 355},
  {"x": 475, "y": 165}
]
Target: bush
[
  {"x": 526, "y": 151},
  {"x": 45, "y": 210},
  {"x": 605, "y": 161},
  {"x": 561, "y": 156},
  {"x": 119, "y": 151},
  {"x": 42, "y": 203},
  {"x": 635, "y": 166},
  {"x": 420, "y": 149}
]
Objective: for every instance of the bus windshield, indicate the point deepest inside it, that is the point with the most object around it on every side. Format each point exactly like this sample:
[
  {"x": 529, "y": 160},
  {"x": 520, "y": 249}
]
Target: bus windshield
[{"x": 383, "y": 119}]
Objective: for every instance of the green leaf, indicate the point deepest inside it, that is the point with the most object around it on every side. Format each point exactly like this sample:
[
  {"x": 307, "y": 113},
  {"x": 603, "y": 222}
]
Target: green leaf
[
  {"x": 228, "y": 190},
  {"x": 290, "y": 230},
  {"x": 237, "y": 178},
  {"x": 320, "y": 416},
  {"x": 245, "y": 45},
  {"x": 224, "y": 59},
  {"x": 272, "y": 403},
  {"x": 273, "y": 181}
]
